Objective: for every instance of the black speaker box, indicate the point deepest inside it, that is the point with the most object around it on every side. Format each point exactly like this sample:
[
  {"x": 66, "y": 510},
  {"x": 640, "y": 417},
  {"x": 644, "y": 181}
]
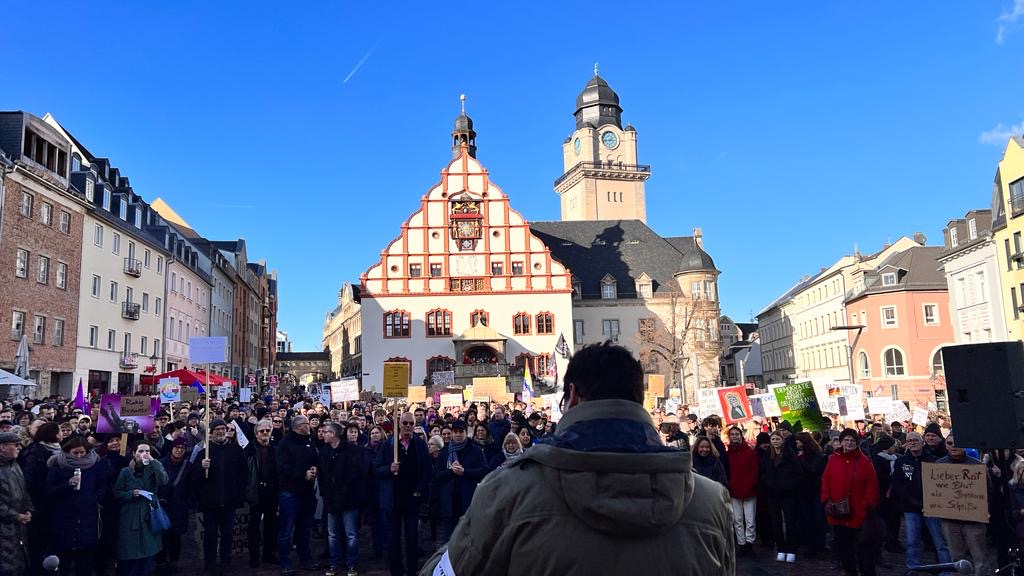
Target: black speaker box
[{"x": 985, "y": 388}]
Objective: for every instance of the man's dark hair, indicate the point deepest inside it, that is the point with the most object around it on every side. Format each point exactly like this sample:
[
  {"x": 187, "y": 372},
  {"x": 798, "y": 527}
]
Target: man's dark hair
[
  {"x": 606, "y": 371},
  {"x": 47, "y": 432}
]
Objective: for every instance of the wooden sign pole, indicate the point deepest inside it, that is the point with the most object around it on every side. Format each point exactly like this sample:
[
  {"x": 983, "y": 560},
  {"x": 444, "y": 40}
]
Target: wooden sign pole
[
  {"x": 206, "y": 456},
  {"x": 396, "y": 433}
]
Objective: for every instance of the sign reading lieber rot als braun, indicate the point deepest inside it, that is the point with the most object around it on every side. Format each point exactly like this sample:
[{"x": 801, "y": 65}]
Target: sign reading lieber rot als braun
[{"x": 396, "y": 379}]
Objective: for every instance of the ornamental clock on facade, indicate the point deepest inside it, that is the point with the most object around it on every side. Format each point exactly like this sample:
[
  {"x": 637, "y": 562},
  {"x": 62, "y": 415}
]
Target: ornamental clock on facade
[{"x": 610, "y": 140}]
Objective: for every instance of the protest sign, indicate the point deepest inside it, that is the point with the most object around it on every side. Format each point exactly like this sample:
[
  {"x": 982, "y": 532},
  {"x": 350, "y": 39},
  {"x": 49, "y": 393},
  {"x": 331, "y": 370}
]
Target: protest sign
[
  {"x": 854, "y": 394},
  {"x": 709, "y": 403},
  {"x": 451, "y": 400},
  {"x": 955, "y": 491},
  {"x": 491, "y": 386},
  {"x": 656, "y": 384},
  {"x": 239, "y": 533},
  {"x": 467, "y": 393},
  {"x": 879, "y": 404},
  {"x": 396, "y": 379},
  {"x": 240, "y": 436},
  {"x": 189, "y": 394},
  {"x": 207, "y": 350},
  {"x": 799, "y": 406},
  {"x": 898, "y": 412},
  {"x": 127, "y": 414},
  {"x": 443, "y": 378},
  {"x": 417, "y": 394},
  {"x": 734, "y": 404},
  {"x": 920, "y": 417},
  {"x": 346, "y": 390},
  {"x": 170, "y": 390},
  {"x": 223, "y": 392},
  {"x": 757, "y": 404},
  {"x": 245, "y": 395}
]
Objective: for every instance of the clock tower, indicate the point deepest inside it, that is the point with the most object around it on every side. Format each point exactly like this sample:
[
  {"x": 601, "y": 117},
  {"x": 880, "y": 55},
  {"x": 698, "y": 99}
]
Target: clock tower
[{"x": 602, "y": 179}]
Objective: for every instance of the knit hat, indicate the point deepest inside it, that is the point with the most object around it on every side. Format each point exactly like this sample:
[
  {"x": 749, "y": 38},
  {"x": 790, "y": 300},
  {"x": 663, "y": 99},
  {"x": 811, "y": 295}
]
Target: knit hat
[
  {"x": 934, "y": 428},
  {"x": 217, "y": 422},
  {"x": 261, "y": 412},
  {"x": 848, "y": 432},
  {"x": 884, "y": 442},
  {"x": 458, "y": 424},
  {"x": 9, "y": 438},
  {"x": 763, "y": 438}
]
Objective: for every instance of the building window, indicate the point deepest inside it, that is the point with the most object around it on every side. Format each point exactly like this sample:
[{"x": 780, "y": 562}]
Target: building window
[
  {"x": 17, "y": 324},
  {"x": 143, "y": 341},
  {"x": 646, "y": 328},
  {"x": 889, "y": 317},
  {"x": 96, "y": 286},
  {"x": 953, "y": 240},
  {"x": 497, "y": 268},
  {"x": 156, "y": 347},
  {"x": 578, "y": 331},
  {"x": 46, "y": 214},
  {"x": 127, "y": 343},
  {"x": 893, "y": 360},
  {"x": 38, "y": 329},
  {"x": 113, "y": 291},
  {"x": 58, "y": 332},
  {"x": 115, "y": 243},
  {"x": 159, "y": 264},
  {"x": 479, "y": 317},
  {"x": 62, "y": 275},
  {"x": 972, "y": 229},
  {"x": 938, "y": 368},
  {"x": 864, "y": 365},
  {"x": 97, "y": 236},
  {"x": 145, "y": 302},
  {"x": 610, "y": 329},
  {"x": 439, "y": 364},
  {"x": 609, "y": 290},
  {"x": 439, "y": 323},
  {"x": 396, "y": 324},
  {"x": 111, "y": 339},
  {"x": 521, "y": 323},
  {"x": 435, "y": 270},
  {"x": 543, "y": 364},
  {"x": 931, "y": 314},
  {"x": 577, "y": 289},
  {"x": 709, "y": 290},
  {"x": 26, "y": 204},
  {"x": 524, "y": 359},
  {"x": 146, "y": 257},
  {"x": 43, "y": 270},
  {"x": 174, "y": 282},
  {"x": 106, "y": 199},
  {"x": 157, "y": 306},
  {"x": 64, "y": 222},
  {"x": 517, "y": 268},
  {"x": 21, "y": 263},
  {"x": 889, "y": 279},
  {"x": 545, "y": 323},
  {"x": 644, "y": 290},
  {"x": 94, "y": 336},
  {"x": 415, "y": 270}
]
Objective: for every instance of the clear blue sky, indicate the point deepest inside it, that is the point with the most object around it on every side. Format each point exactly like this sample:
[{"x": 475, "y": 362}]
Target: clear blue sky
[{"x": 788, "y": 131}]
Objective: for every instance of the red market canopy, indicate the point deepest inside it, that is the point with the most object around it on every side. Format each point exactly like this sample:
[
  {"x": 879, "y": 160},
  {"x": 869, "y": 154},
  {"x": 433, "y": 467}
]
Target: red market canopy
[
  {"x": 185, "y": 376},
  {"x": 215, "y": 379}
]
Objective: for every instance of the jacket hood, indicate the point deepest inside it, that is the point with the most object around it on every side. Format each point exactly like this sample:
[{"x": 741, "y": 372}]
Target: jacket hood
[{"x": 612, "y": 471}]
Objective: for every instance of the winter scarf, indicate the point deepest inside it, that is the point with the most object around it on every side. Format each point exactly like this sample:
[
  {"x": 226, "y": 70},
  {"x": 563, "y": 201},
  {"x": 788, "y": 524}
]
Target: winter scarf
[
  {"x": 892, "y": 458},
  {"x": 66, "y": 461},
  {"x": 510, "y": 455},
  {"x": 453, "y": 448}
]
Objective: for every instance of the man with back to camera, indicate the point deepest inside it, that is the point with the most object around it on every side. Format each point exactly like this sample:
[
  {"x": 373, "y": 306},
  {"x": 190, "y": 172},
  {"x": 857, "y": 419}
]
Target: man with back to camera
[{"x": 606, "y": 496}]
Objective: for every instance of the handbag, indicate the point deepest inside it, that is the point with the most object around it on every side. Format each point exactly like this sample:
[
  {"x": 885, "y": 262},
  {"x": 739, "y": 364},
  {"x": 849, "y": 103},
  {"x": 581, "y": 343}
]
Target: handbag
[
  {"x": 841, "y": 509},
  {"x": 158, "y": 520}
]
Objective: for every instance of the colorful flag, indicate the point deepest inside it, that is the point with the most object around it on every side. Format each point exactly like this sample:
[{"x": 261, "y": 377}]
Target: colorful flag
[
  {"x": 199, "y": 385},
  {"x": 562, "y": 347},
  {"x": 80, "y": 402},
  {"x": 527, "y": 384}
]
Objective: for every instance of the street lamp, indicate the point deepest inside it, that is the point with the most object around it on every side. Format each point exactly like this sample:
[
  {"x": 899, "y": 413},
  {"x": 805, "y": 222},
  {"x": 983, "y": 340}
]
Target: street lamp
[{"x": 859, "y": 328}]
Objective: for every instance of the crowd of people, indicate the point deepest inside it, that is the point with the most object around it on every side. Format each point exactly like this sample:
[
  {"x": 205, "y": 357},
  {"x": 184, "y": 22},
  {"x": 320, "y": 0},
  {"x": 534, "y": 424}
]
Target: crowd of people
[{"x": 622, "y": 482}]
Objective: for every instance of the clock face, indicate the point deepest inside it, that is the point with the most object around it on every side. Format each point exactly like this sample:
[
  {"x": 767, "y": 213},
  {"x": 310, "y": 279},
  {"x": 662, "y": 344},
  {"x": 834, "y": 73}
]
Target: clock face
[
  {"x": 610, "y": 140},
  {"x": 577, "y": 144}
]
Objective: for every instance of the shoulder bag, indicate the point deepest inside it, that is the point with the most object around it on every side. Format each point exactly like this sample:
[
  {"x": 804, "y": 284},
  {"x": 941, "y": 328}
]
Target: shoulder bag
[{"x": 841, "y": 508}]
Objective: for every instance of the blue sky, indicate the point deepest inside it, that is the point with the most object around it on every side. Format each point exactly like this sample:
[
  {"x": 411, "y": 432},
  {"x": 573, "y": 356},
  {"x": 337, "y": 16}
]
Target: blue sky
[{"x": 788, "y": 131}]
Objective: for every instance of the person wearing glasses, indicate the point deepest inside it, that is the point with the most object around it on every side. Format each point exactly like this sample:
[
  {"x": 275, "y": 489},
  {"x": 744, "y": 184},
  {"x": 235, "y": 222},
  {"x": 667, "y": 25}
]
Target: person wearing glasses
[
  {"x": 296, "y": 474},
  {"x": 604, "y": 496},
  {"x": 261, "y": 493},
  {"x": 963, "y": 535},
  {"x": 908, "y": 494},
  {"x": 402, "y": 486}
]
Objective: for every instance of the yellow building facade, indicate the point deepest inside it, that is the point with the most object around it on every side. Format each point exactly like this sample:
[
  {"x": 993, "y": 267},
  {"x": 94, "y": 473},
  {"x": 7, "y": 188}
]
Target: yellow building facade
[{"x": 1008, "y": 232}]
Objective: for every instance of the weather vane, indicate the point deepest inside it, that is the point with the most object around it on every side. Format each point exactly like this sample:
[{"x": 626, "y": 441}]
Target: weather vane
[
  {"x": 595, "y": 68},
  {"x": 462, "y": 97}
]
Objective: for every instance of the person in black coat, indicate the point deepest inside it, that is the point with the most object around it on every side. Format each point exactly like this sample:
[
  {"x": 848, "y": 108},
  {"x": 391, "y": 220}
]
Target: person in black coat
[
  {"x": 296, "y": 473},
  {"x": 490, "y": 446},
  {"x": 75, "y": 534},
  {"x": 111, "y": 463},
  {"x": 782, "y": 477},
  {"x": 402, "y": 486},
  {"x": 344, "y": 471},
  {"x": 706, "y": 461},
  {"x": 261, "y": 493},
  {"x": 176, "y": 500},
  {"x": 219, "y": 483},
  {"x": 460, "y": 467}
]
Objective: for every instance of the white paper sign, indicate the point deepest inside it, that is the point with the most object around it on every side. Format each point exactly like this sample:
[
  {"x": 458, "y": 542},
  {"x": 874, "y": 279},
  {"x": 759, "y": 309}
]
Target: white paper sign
[
  {"x": 898, "y": 412},
  {"x": 346, "y": 390},
  {"x": 239, "y": 435},
  {"x": 768, "y": 405},
  {"x": 451, "y": 400},
  {"x": 444, "y": 566},
  {"x": 879, "y": 404},
  {"x": 210, "y": 350},
  {"x": 709, "y": 403},
  {"x": 223, "y": 392},
  {"x": 245, "y": 395},
  {"x": 920, "y": 416}
]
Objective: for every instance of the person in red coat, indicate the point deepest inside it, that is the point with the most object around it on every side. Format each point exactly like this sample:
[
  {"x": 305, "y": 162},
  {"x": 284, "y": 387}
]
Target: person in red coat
[
  {"x": 744, "y": 468},
  {"x": 850, "y": 476}
]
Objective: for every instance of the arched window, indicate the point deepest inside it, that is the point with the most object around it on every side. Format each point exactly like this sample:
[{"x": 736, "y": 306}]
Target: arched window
[
  {"x": 542, "y": 364},
  {"x": 439, "y": 322},
  {"x": 545, "y": 323},
  {"x": 938, "y": 368},
  {"x": 521, "y": 323},
  {"x": 439, "y": 364},
  {"x": 863, "y": 365},
  {"x": 893, "y": 360},
  {"x": 396, "y": 324},
  {"x": 479, "y": 317},
  {"x": 523, "y": 359}
]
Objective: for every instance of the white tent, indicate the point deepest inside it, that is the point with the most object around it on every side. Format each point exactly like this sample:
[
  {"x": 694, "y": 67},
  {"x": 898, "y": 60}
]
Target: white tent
[{"x": 12, "y": 386}]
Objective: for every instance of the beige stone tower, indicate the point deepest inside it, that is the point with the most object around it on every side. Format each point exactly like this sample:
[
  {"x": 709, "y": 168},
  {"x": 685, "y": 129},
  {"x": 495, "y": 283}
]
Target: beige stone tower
[{"x": 603, "y": 179}]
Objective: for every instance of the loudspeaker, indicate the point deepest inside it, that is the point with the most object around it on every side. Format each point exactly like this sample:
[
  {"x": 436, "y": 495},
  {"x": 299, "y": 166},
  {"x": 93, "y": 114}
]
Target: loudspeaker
[{"x": 985, "y": 388}]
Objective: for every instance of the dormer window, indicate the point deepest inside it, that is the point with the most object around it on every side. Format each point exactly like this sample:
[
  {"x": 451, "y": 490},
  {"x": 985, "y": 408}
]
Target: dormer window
[
  {"x": 122, "y": 209},
  {"x": 972, "y": 229},
  {"x": 644, "y": 286},
  {"x": 106, "y": 199},
  {"x": 889, "y": 278},
  {"x": 138, "y": 217},
  {"x": 609, "y": 289},
  {"x": 952, "y": 237}
]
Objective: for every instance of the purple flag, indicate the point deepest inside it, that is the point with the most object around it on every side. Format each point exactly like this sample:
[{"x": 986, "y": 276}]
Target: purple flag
[{"x": 80, "y": 402}]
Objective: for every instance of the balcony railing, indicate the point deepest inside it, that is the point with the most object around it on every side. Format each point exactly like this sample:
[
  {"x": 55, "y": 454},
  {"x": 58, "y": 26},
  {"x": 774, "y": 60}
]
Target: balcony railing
[
  {"x": 611, "y": 166},
  {"x": 1016, "y": 203},
  {"x": 133, "y": 267},
  {"x": 480, "y": 370},
  {"x": 130, "y": 310}
]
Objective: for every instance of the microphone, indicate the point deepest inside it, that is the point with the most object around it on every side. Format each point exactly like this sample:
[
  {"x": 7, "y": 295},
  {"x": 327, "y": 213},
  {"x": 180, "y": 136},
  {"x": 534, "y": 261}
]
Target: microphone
[
  {"x": 959, "y": 567},
  {"x": 51, "y": 564}
]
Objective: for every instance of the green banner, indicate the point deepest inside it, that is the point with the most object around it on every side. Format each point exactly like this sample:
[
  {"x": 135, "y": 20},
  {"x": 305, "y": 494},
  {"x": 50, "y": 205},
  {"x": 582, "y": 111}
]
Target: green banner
[{"x": 799, "y": 406}]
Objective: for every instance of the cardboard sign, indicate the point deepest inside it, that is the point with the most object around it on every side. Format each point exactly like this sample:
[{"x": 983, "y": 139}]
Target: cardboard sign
[
  {"x": 126, "y": 414},
  {"x": 734, "y": 404},
  {"x": 396, "y": 379},
  {"x": 135, "y": 406},
  {"x": 879, "y": 404},
  {"x": 491, "y": 386},
  {"x": 920, "y": 417},
  {"x": 417, "y": 393},
  {"x": 170, "y": 390},
  {"x": 955, "y": 491},
  {"x": 799, "y": 406},
  {"x": 245, "y": 395},
  {"x": 656, "y": 384},
  {"x": 189, "y": 394},
  {"x": 209, "y": 350},
  {"x": 451, "y": 400},
  {"x": 346, "y": 390}
]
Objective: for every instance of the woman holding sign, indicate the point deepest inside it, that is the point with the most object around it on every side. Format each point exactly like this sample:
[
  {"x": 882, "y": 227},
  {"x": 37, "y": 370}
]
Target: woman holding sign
[{"x": 849, "y": 491}]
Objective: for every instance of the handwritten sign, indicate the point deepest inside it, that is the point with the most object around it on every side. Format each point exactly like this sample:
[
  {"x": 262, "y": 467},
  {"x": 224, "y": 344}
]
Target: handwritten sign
[
  {"x": 491, "y": 386},
  {"x": 396, "y": 379},
  {"x": 346, "y": 390},
  {"x": 920, "y": 416},
  {"x": 443, "y": 378},
  {"x": 879, "y": 404},
  {"x": 709, "y": 403},
  {"x": 170, "y": 390},
  {"x": 451, "y": 400},
  {"x": 135, "y": 406},
  {"x": 898, "y": 413},
  {"x": 209, "y": 350},
  {"x": 955, "y": 491},
  {"x": 417, "y": 393}
]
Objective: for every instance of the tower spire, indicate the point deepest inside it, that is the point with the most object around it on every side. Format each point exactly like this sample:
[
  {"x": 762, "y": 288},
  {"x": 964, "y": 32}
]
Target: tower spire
[{"x": 463, "y": 135}]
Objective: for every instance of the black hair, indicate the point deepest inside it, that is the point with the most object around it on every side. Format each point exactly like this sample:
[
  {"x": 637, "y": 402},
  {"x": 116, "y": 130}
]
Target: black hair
[
  {"x": 47, "y": 432},
  {"x": 75, "y": 442},
  {"x": 605, "y": 371}
]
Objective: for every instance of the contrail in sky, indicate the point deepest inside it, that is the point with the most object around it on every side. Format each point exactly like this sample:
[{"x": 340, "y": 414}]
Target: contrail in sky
[{"x": 360, "y": 63}]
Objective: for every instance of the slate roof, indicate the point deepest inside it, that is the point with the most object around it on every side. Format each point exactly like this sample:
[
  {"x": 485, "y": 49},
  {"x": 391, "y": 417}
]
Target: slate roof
[
  {"x": 624, "y": 249},
  {"x": 916, "y": 268},
  {"x": 746, "y": 328}
]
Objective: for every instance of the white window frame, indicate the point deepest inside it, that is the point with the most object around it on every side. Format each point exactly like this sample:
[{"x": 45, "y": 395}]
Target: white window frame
[
  {"x": 94, "y": 336},
  {"x": 579, "y": 330},
  {"x": 46, "y": 214},
  {"x": 972, "y": 229},
  {"x": 58, "y": 331},
  {"x": 158, "y": 306},
  {"x": 115, "y": 243},
  {"x": 38, "y": 329},
  {"x": 43, "y": 269},
  {"x": 147, "y": 257},
  {"x": 935, "y": 321},
  {"x": 62, "y": 275},
  {"x": 953, "y": 240},
  {"x": 611, "y": 328},
  {"x": 887, "y": 323},
  {"x": 111, "y": 339},
  {"x": 97, "y": 235},
  {"x": 609, "y": 290},
  {"x": 64, "y": 222},
  {"x": 902, "y": 366},
  {"x": 645, "y": 290},
  {"x": 889, "y": 279},
  {"x": 114, "y": 291},
  {"x": 21, "y": 258},
  {"x": 17, "y": 324},
  {"x": 145, "y": 302},
  {"x": 97, "y": 285},
  {"x": 863, "y": 364},
  {"x": 26, "y": 204},
  {"x": 159, "y": 264}
]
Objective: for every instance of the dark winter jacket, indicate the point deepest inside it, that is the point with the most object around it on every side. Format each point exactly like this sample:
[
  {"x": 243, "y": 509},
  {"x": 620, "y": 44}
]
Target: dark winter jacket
[
  {"x": 344, "y": 476},
  {"x": 710, "y": 467},
  {"x": 176, "y": 496},
  {"x": 77, "y": 527},
  {"x": 499, "y": 429},
  {"x": 14, "y": 500},
  {"x": 456, "y": 492},
  {"x": 745, "y": 466},
  {"x": 225, "y": 484},
  {"x": 34, "y": 466},
  {"x": 907, "y": 492},
  {"x": 814, "y": 469},
  {"x": 263, "y": 484},
  {"x": 295, "y": 455},
  {"x": 783, "y": 476},
  {"x": 410, "y": 484}
]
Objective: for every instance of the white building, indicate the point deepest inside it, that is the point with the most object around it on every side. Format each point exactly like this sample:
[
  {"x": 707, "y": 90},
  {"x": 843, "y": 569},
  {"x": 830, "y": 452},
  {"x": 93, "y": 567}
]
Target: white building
[{"x": 972, "y": 274}]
